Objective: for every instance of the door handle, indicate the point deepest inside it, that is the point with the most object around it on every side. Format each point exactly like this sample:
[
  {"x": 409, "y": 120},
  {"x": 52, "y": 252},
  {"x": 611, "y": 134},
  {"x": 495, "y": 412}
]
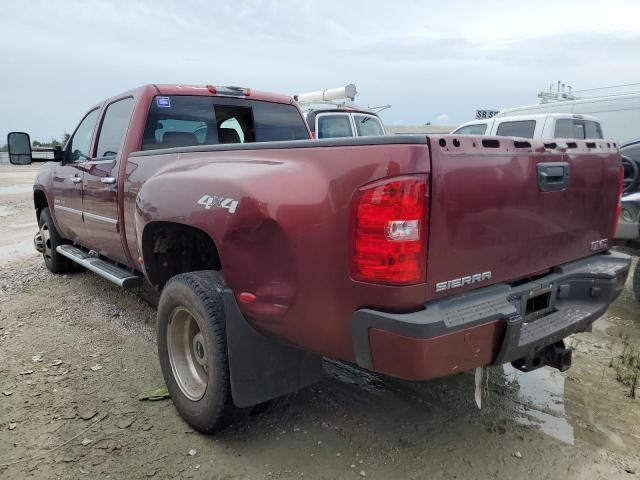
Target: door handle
[
  {"x": 553, "y": 176},
  {"x": 108, "y": 180},
  {"x": 76, "y": 179}
]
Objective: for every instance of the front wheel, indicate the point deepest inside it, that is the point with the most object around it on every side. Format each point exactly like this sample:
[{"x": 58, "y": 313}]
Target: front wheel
[
  {"x": 47, "y": 241},
  {"x": 193, "y": 350}
]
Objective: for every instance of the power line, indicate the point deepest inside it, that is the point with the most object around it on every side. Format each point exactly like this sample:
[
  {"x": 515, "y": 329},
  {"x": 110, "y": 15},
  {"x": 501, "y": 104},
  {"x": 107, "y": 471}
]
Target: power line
[{"x": 606, "y": 88}]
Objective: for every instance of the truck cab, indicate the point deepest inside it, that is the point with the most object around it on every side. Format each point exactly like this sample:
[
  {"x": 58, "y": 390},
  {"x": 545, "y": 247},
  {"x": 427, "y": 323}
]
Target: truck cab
[{"x": 548, "y": 125}]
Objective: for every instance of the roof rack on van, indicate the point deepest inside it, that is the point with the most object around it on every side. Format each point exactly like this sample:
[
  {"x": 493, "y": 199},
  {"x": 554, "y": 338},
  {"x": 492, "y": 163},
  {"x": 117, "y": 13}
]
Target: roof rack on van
[{"x": 339, "y": 97}]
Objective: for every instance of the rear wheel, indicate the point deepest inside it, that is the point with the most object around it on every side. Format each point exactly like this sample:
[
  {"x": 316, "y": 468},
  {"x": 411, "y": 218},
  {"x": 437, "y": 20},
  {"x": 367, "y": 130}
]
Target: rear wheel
[
  {"x": 193, "y": 350},
  {"x": 47, "y": 241}
]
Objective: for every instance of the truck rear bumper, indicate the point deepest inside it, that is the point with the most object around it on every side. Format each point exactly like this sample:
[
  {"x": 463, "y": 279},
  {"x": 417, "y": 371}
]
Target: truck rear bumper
[{"x": 493, "y": 325}]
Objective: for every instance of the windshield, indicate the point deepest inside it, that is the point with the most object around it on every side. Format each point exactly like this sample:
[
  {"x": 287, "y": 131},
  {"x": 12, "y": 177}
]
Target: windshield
[
  {"x": 368, "y": 125},
  {"x": 475, "y": 129}
]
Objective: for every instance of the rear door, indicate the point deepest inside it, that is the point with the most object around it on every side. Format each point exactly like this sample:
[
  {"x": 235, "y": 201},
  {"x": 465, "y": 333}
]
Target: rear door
[
  {"x": 68, "y": 176},
  {"x": 100, "y": 204},
  {"x": 516, "y": 209}
]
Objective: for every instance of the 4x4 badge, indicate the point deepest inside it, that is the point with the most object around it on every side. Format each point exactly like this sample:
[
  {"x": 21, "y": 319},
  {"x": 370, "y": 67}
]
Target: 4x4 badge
[{"x": 219, "y": 202}]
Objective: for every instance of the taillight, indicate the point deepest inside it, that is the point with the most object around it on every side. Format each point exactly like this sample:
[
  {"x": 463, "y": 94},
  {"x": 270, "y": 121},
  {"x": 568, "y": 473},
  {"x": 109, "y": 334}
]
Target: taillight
[
  {"x": 388, "y": 243},
  {"x": 616, "y": 217}
]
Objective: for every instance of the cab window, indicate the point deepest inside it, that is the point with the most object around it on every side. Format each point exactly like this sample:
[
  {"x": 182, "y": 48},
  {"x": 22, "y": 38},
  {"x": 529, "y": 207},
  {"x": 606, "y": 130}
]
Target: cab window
[
  {"x": 189, "y": 120},
  {"x": 80, "y": 143},
  {"x": 114, "y": 124},
  {"x": 475, "y": 129},
  {"x": 521, "y": 128},
  {"x": 578, "y": 129}
]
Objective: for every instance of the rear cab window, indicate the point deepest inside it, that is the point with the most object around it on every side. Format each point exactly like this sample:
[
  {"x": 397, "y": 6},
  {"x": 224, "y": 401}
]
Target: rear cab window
[
  {"x": 578, "y": 129},
  {"x": 189, "y": 120},
  {"x": 475, "y": 129},
  {"x": 520, "y": 128}
]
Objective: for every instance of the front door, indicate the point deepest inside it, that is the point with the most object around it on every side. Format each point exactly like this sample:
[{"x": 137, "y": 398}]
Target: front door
[
  {"x": 100, "y": 202},
  {"x": 67, "y": 179}
]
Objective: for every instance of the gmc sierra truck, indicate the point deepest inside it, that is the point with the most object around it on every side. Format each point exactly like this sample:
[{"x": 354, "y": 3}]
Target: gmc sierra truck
[{"x": 416, "y": 257}]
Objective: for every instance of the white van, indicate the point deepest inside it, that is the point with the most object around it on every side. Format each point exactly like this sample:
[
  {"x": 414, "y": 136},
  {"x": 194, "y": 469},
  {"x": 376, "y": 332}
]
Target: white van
[
  {"x": 535, "y": 126},
  {"x": 619, "y": 115}
]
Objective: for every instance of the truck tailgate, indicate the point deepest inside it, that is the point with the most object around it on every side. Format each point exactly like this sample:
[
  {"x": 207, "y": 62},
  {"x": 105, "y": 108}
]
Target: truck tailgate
[{"x": 503, "y": 209}]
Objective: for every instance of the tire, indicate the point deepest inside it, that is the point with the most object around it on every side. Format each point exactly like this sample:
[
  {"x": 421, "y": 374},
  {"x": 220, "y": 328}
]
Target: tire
[
  {"x": 50, "y": 238},
  {"x": 192, "y": 346},
  {"x": 636, "y": 281}
]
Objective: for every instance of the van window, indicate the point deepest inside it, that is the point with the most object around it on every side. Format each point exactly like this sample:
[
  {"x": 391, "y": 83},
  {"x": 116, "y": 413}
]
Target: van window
[
  {"x": 368, "y": 125},
  {"x": 334, "y": 125},
  {"x": 114, "y": 124},
  {"x": 188, "y": 120},
  {"x": 475, "y": 129},
  {"x": 579, "y": 129},
  {"x": 521, "y": 128}
]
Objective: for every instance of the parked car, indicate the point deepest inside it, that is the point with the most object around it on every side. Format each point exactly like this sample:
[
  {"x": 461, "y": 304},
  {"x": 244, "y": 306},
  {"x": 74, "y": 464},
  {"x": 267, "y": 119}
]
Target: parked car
[
  {"x": 556, "y": 125},
  {"x": 415, "y": 257},
  {"x": 619, "y": 114},
  {"x": 330, "y": 114}
]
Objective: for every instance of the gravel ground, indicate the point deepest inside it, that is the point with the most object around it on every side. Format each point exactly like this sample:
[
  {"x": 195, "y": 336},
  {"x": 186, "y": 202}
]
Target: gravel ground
[{"x": 76, "y": 353}]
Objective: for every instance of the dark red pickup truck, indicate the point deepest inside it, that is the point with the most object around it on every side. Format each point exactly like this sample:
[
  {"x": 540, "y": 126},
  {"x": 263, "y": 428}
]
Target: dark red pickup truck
[{"x": 416, "y": 257}]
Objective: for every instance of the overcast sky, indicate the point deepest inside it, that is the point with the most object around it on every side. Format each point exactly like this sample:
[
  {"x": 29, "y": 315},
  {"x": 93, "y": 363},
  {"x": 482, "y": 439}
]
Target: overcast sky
[{"x": 432, "y": 61}]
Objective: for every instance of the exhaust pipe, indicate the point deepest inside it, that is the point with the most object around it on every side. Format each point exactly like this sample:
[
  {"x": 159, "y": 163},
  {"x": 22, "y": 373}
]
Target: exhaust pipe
[{"x": 556, "y": 355}]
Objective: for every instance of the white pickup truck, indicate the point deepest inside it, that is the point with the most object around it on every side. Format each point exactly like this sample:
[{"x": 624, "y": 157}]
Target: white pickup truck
[{"x": 545, "y": 125}]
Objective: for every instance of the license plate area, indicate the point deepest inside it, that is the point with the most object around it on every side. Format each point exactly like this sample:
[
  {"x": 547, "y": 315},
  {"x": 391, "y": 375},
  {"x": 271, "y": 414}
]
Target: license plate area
[
  {"x": 535, "y": 303},
  {"x": 538, "y": 303}
]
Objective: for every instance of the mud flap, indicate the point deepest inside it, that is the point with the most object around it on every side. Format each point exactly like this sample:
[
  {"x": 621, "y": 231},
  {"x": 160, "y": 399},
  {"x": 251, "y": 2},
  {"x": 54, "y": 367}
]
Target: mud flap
[{"x": 260, "y": 368}]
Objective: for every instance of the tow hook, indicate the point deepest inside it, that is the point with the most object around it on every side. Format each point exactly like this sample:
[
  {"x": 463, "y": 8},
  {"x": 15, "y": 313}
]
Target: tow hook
[{"x": 556, "y": 356}]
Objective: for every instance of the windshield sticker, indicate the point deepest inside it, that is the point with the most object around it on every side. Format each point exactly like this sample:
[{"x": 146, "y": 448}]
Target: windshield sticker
[{"x": 163, "y": 102}]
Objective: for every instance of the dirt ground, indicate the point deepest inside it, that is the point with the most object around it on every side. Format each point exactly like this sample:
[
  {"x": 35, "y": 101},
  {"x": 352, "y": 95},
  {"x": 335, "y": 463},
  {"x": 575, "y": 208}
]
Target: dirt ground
[{"x": 76, "y": 352}]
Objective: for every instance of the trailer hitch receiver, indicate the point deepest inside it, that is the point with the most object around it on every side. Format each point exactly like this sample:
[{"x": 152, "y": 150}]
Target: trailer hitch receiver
[{"x": 556, "y": 355}]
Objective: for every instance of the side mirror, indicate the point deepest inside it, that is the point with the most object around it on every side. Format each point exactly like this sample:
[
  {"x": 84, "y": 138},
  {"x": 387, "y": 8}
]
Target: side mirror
[
  {"x": 58, "y": 155},
  {"x": 19, "y": 145}
]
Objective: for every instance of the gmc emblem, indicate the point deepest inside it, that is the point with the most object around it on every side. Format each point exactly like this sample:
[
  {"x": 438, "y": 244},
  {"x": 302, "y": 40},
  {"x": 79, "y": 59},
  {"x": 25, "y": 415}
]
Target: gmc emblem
[{"x": 599, "y": 244}]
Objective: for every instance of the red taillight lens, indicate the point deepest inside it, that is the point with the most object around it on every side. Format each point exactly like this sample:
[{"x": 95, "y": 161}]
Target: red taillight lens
[
  {"x": 616, "y": 218},
  {"x": 389, "y": 240}
]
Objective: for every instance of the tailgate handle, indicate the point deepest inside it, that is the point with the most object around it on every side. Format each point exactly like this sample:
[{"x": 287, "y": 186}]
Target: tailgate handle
[{"x": 553, "y": 176}]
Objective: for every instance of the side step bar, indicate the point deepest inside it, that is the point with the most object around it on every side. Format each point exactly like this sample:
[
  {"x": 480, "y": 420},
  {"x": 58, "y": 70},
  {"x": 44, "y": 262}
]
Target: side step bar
[{"x": 107, "y": 270}]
